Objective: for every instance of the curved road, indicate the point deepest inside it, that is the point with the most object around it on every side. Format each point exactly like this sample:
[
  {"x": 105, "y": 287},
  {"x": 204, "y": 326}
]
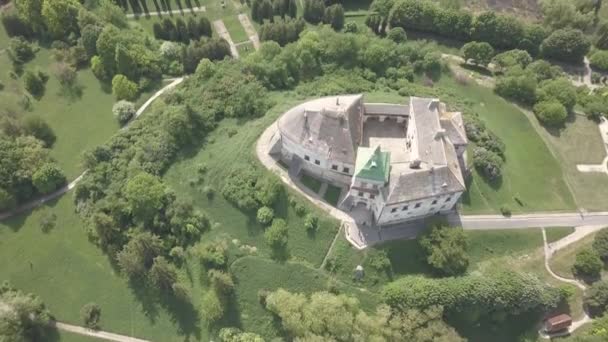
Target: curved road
[{"x": 41, "y": 200}]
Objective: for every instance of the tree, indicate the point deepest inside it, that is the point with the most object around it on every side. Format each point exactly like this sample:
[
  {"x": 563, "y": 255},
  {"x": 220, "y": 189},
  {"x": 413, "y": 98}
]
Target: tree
[
  {"x": 30, "y": 11},
  {"x": 34, "y": 82},
  {"x": 20, "y": 51},
  {"x": 334, "y": 16},
  {"x": 24, "y": 317},
  {"x": 314, "y": 11},
  {"x": 60, "y": 17},
  {"x": 137, "y": 256},
  {"x": 7, "y": 200},
  {"x": 123, "y": 88},
  {"x": 559, "y": 14},
  {"x": 113, "y": 14},
  {"x": 396, "y": 34},
  {"x": 600, "y": 243},
  {"x": 162, "y": 274},
  {"x": 601, "y": 35},
  {"x": 481, "y": 53},
  {"x": 599, "y": 60},
  {"x": 204, "y": 26},
  {"x": 236, "y": 335},
  {"x": 445, "y": 249},
  {"x": 66, "y": 74},
  {"x": 566, "y": 45},
  {"x": 91, "y": 314},
  {"x": 38, "y": 128},
  {"x": 517, "y": 84},
  {"x": 488, "y": 164},
  {"x": 265, "y": 215},
  {"x": 145, "y": 194},
  {"x": 511, "y": 58},
  {"x": 543, "y": 70},
  {"x": 214, "y": 255},
  {"x": 292, "y": 9},
  {"x": 560, "y": 89},
  {"x": 596, "y": 298},
  {"x": 212, "y": 307},
  {"x": 276, "y": 236},
  {"x": 194, "y": 30},
  {"x": 123, "y": 111},
  {"x": 170, "y": 32},
  {"x": 222, "y": 283},
  {"x": 48, "y": 178},
  {"x": 588, "y": 264},
  {"x": 182, "y": 31},
  {"x": 550, "y": 112},
  {"x": 311, "y": 223}
]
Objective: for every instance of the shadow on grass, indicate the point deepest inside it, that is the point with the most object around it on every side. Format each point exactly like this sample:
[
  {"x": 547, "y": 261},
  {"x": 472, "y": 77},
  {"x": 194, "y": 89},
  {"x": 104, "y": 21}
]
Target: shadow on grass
[
  {"x": 476, "y": 68},
  {"x": 513, "y": 328}
]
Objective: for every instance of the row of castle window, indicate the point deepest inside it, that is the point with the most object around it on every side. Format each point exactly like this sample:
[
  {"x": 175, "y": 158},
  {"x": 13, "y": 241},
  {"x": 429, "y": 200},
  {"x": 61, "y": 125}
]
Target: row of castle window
[
  {"x": 419, "y": 204},
  {"x": 333, "y": 167}
]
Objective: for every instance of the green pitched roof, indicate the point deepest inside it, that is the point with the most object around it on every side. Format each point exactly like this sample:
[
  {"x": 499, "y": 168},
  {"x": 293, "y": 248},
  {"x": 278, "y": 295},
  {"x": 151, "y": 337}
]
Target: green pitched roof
[{"x": 372, "y": 164}]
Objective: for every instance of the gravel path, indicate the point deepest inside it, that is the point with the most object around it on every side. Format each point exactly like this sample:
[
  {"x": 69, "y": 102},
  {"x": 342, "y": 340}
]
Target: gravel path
[
  {"x": 57, "y": 193},
  {"x": 104, "y": 335},
  {"x": 220, "y": 28},
  {"x": 179, "y": 11},
  {"x": 248, "y": 26}
]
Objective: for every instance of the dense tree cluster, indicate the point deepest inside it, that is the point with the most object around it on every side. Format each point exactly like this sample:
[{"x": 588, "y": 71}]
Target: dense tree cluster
[
  {"x": 262, "y": 10},
  {"x": 588, "y": 264},
  {"x": 282, "y": 31},
  {"x": 24, "y": 317},
  {"x": 182, "y": 31},
  {"x": 497, "y": 294},
  {"x": 324, "y": 316},
  {"x": 249, "y": 189},
  {"x": 478, "y": 53},
  {"x": 596, "y": 298},
  {"x": 445, "y": 249}
]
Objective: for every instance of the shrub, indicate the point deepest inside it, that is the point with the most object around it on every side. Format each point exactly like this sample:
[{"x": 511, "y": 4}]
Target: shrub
[
  {"x": 37, "y": 127},
  {"x": 35, "y": 82},
  {"x": 567, "y": 45},
  {"x": 351, "y": 27},
  {"x": 380, "y": 261},
  {"x": 479, "y": 53},
  {"x": 588, "y": 264},
  {"x": 265, "y": 215},
  {"x": 212, "y": 307},
  {"x": 90, "y": 314},
  {"x": 300, "y": 209},
  {"x": 311, "y": 223},
  {"x": 47, "y": 221},
  {"x": 123, "y": 88},
  {"x": 560, "y": 89},
  {"x": 48, "y": 178},
  {"x": 599, "y": 60},
  {"x": 20, "y": 50},
  {"x": 600, "y": 243},
  {"x": 221, "y": 282},
  {"x": 596, "y": 298},
  {"x": 445, "y": 249},
  {"x": 487, "y": 163},
  {"x": 214, "y": 255},
  {"x": 123, "y": 111},
  {"x": 276, "y": 236},
  {"x": 397, "y": 34},
  {"x": 505, "y": 211},
  {"x": 550, "y": 112},
  {"x": 7, "y": 200}
]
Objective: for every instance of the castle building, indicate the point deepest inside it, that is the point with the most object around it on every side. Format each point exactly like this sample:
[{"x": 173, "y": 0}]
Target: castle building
[{"x": 399, "y": 162}]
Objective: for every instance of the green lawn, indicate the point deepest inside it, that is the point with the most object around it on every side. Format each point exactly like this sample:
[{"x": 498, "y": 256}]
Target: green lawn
[
  {"x": 557, "y": 233},
  {"x": 562, "y": 261},
  {"x": 332, "y": 194},
  {"x": 530, "y": 172},
  {"x": 70, "y": 337},
  {"x": 311, "y": 182}
]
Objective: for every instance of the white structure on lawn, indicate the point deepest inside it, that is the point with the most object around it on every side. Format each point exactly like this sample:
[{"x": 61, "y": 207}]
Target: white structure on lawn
[{"x": 399, "y": 162}]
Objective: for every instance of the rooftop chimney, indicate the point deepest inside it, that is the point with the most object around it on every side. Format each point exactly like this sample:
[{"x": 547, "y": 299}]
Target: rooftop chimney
[
  {"x": 337, "y": 101},
  {"x": 415, "y": 164},
  {"x": 440, "y": 134},
  {"x": 433, "y": 104}
]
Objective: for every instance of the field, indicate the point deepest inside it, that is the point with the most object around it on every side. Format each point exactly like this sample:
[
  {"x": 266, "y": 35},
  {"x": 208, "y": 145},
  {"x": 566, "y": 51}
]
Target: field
[{"x": 563, "y": 260}]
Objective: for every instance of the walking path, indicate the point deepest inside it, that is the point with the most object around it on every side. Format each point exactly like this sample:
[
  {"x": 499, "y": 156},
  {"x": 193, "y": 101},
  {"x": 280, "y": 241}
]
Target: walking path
[
  {"x": 97, "y": 333},
  {"x": 178, "y": 11},
  {"x": 40, "y": 201},
  {"x": 579, "y": 233},
  {"x": 253, "y": 35},
  {"x": 603, "y": 167},
  {"x": 220, "y": 28}
]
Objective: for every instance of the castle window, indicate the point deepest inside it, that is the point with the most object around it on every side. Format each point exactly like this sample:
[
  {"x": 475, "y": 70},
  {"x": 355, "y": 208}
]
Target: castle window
[
  {"x": 346, "y": 170},
  {"x": 361, "y": 194},
  {"x": 434, "y": 202},
  {"x": 448, "y": 199},
  {"x": 393, "y": 210},
  {"x": 334, "y": 167},
  {"x": 317, "y": 162},
  {"x": 363, "y": 184},
  {"x": 418, "y": 205},
  {"x": 372, "y": 196},
  {"x": 307, "y": 158},
  {"x": 375, "y": 186},
  {"x": 405, "y": 208}
]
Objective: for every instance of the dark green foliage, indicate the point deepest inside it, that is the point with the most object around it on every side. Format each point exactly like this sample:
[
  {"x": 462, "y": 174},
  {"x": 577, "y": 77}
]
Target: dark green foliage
[
  {"x": 7, "y": 200},
  {"x": 137, "y": 256},
  {"x": 48, "y": 178},
  {"x": 145, "y": 194},
  {"x": 600, "y": 243},
  {"x": 479, "y": 53},
  {"x": 25, "y": 317},
  {"x": 551, "y": 112},
  {"x": 334, "y": 16},
  {"x": 501, "y": 31},
  {"x": 88, "y": 38},
  {"x": 596, "y": 298},
  {"x": 566, "y": 45},
  {"x": 497, "y": 293},
  {"x": 488, "y": 164},
  {"x": 35, "y": 82},
  {"x": 282, "y": 31},
  {"x": 13, "y": 25},
  {"x": 162, "y": 275},
  {"x": 265, "y": 215},
  {"x": 511, "y": 58},
  {"x": 599, "y": 60},
  {"x": 90, "y": 315},
  {"x": 38, "y": 128},
  {"x": 212, "y": 48},
  {"x": 396, "y": 34},
  {"x": 311, "y": 223},
  {"x": 517, "y": 84},
  {"x": 247, "y": 189},
  {"x": 601, "y": 35},
  {"x": 214, "y": 255},
  {"x": 20, "y": 51},
  {"x": 222, "y": 283},
  {"x": 543, "y": 70},
  {"x": 587, "y": 264},
  {"x": 446, "y": 249},
  {"x": 276, "y": 235},
  {"x": 560, "y": 90},
  {"x": 314, "y": 11}
]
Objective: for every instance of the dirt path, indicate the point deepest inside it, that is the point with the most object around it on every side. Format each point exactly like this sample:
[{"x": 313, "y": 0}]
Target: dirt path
[
  {"x": 251, "y": 32},
  {"x": 221, "y": 30},
  {"x": 331, "y": 247},
  {"x": 59, "y": 192},
  {"x": 178, "y": 11},
  {"x": 104, "y": 335}
]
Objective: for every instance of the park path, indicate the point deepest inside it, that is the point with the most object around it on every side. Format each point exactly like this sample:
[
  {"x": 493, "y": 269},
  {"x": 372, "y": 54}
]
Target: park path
[
  {"x": 549, "y": 249},
  {"x": 251, "y": 32},
  {"x": 57, "y": 193},
  {"x": 603, "y": 167},
  {"x": 104, "y": 335},
  {"x": 220, "y": 28},
  {"x": 178, "y": 11}
]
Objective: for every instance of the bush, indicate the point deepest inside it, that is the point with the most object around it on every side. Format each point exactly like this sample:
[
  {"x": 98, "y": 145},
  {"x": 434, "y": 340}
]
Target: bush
[
  {"x": 599, "y": 60},
  {"x": 7, "y": 200},
  {"x": 566, "y": 45},
  {"x": 445, "y": 249},
  {"x": 123, "y": 111},
  {"x": 214, "y": 255},
  {"x": 479, "y": 52},
  {"x": 397, "y": 34},
  {"x": 550, "y": 112},
  {"x": 91, "y": 314},
  {"x": 20, "y": 50},
  {"x": 560, "y": 89},
  {"x": 487, "y": 163},
  {"x": 265, "y": 215},
  {"x": 48, "y": 178},
  {"x": 38, "y": 128},
  {"x": 505, "y": 211},
  {"x": 596, "y": 298},
  {"x": 276, "y": 236},
  {"x": 123, "y": 88},
  {"x": 380, "y": 261},
  {"x": 212, "y": 307},
  {"x": 300, "y": 209},
  {"x": 311, "y": 223},
  {"x": 35, "y": 82},
  {"x": 600, "y": 243},
  {"x": 588, "y": 264}
]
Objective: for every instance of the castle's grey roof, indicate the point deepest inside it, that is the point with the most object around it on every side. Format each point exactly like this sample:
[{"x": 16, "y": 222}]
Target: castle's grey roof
[
  {"x": 329, "y": 126},
  {"x": 386, "y": 109},
  {"x": 424, "y": 119},
  {"x": 423, "y": 183},
  {"x": 454, "y": 127}
]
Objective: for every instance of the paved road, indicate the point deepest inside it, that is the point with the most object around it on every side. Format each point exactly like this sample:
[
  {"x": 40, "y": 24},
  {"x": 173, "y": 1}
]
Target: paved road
[
  {"x": 108, "y": 336},
  {"x": 57, "y": 193},
  {"x": 529, "y": 220}
]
